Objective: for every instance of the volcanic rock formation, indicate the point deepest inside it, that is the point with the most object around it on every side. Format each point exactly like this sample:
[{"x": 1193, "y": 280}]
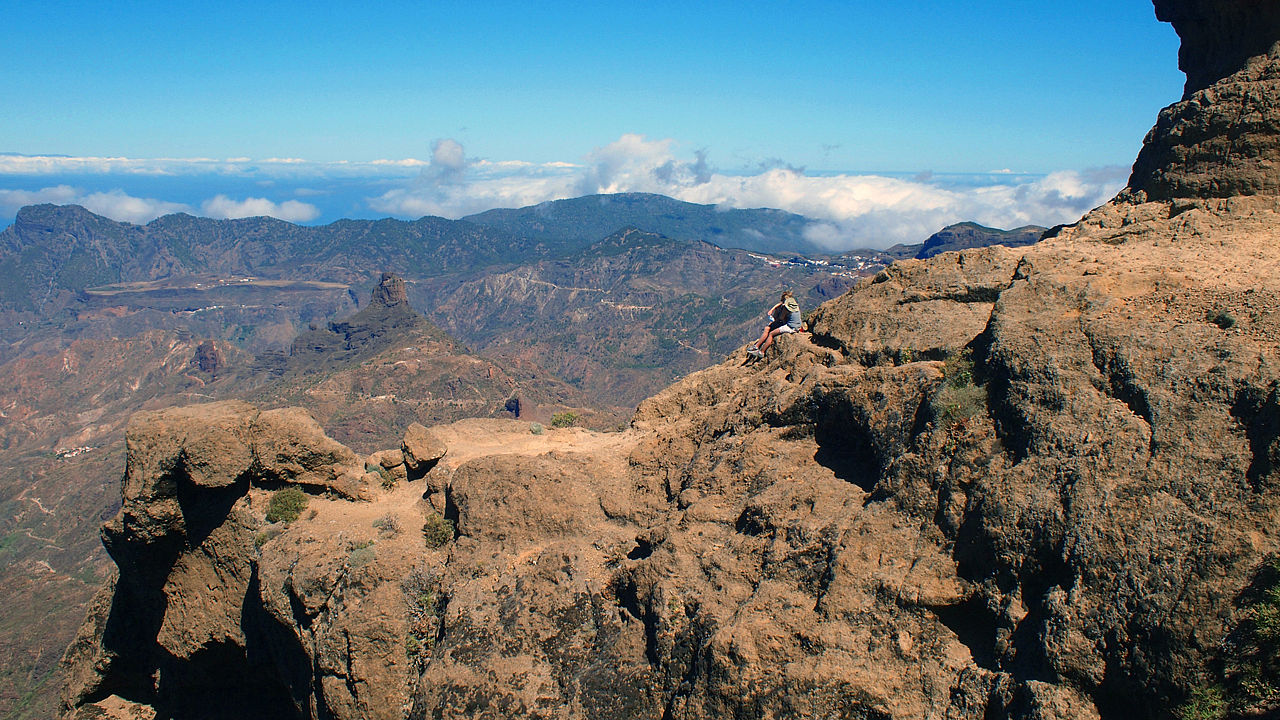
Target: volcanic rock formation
[
  {"x": 1033, "y": 483},
  {"x": 1223, "y": 138}
]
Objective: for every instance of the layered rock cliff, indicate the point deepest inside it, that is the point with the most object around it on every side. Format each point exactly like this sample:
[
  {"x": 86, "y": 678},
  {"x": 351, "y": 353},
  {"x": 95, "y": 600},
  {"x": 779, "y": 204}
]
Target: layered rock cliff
[
  {"x": 1005, "y": 483},
  {"x": 1223, "y": 138}
]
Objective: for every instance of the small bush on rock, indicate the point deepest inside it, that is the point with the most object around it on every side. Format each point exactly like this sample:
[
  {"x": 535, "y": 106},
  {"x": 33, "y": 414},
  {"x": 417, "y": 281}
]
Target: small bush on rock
[
  {"x": 388, "y": 525},
  {"x": 424, "y": 604},
  {"x": 564, "y": 419},
  {"x": 1205, "y": 703},
  {"x": 361, "y": 554},
  {"x": 389, "y": 481},
  {"x": 1245, "y": 675},
  {"x": 1222, "y": 318},
  {"x": 437, "y": 530},
  {"x": 960, "y": 400},
  {"x": 286, "y": 505}
]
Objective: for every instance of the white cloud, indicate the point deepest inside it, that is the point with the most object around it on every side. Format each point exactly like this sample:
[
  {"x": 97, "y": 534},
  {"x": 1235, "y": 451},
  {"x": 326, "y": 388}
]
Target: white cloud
[
  {"x": 116, "y": 204},
  {"x": 11, "y": 200},
  {"x": 852, "y": 210},
  {"x": 284, "y": 167},
  {"x": 223, "y": 207}
]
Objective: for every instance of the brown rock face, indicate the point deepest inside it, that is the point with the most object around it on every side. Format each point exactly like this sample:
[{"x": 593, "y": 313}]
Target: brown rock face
[
  {"x": 184, "y": 542},
  {"x": 390, "y": 291},
  {"x": 1223, "y": 138},
  {"x": 1219, "y": 37},
  {"x": 1000, "y": 485},
  {"x": 1031, "y": 484},
  {"x": 209, "y": 358},
  {"x": 421, "y": 448}
]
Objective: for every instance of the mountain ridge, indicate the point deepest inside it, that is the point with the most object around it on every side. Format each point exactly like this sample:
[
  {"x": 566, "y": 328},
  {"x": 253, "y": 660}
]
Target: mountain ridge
[
  {"x": 583, "y": 219},
  {"x": 999, "y": 484}
]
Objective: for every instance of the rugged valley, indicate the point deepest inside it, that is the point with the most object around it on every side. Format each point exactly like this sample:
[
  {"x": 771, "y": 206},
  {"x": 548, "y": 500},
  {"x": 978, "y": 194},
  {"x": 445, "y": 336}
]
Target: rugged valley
[
  {"x": 1032, "y": 483},
  {"x": 102, "y": 319}
]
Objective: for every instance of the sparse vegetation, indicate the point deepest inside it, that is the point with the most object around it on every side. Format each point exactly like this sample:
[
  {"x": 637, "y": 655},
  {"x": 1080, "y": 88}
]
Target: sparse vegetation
[
  {"x": 536, "y": 428},
  {"x": 388, "y": 525},
  {"x": 362, "y": 553},
  {"x": 286, "y": 504},
  {"x": 437, "y": 530},
  {"x": 564, "y": 419},
  {"x": 1245, "y": 676},
  {"x": 389, "y": 481},
  {"x": 1222, "y": 318},
  {"x": 1206, "y": 703},
  {"x": 424, "y": 604},
  {"x": 960, "y": 401}
]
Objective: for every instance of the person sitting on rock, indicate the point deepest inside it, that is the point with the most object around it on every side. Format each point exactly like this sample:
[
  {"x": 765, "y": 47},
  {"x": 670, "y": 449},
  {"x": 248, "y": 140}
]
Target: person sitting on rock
[{"x": 785, "y": 318}]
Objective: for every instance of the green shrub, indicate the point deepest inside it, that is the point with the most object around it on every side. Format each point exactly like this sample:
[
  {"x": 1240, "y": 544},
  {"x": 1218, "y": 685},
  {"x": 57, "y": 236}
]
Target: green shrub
[
  {"x": 412, "y": 645},
  {"x": 1244, "y": 676},
  {"x": 361, "y": 554},
  {"x": 1222, "y": 318},
  {"x": 564, "y": 419},
  {"x": 959, "y": 369},
  {"x": 535, "y": 428},
  {"x": 389, "y": 481},
  {"x": 424, "y": 604},
  {"x": 1206, "y": 703},
  {"x": 960, "y": 400},
  {"x": 437, "y": 530},
  {"x": 286, "y": 504}
]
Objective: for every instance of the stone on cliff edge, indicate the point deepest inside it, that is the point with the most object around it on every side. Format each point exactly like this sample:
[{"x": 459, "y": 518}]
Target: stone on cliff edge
[
  {"x": 421, "y": 447},
  {"x": 1223, "y": 138},
  {"x": 162, "y": 447},
  {"x": 919, "y": 309},
  {"x": 292, "y": 447}
]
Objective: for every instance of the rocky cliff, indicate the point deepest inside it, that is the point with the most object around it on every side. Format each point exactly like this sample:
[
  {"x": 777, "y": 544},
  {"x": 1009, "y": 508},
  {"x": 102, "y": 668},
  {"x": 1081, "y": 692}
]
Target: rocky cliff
[
  {"x": 1223, "y": 138},
  {"x": 1004, "y": 483}
]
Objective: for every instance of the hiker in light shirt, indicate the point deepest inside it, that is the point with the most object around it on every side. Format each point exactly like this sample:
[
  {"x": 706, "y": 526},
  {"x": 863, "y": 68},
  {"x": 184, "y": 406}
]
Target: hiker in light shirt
[{"x": 785, "y": 318}]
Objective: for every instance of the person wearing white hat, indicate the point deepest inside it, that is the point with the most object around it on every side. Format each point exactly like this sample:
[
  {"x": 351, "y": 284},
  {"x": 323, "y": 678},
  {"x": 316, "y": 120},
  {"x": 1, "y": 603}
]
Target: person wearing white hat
[{"x": 785, "y": 317}]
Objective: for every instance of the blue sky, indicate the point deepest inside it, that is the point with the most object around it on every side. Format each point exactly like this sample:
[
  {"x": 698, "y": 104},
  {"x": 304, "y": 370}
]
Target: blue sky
[{"x": 442, "y": 107}]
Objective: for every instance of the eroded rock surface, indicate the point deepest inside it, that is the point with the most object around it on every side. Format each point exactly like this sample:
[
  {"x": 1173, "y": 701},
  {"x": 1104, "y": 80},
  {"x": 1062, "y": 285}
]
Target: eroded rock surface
[
  {"x": 1043, "y": 508},
  {"x": 1011, "y": 483},
  {"x": 1223, "y": 138}
]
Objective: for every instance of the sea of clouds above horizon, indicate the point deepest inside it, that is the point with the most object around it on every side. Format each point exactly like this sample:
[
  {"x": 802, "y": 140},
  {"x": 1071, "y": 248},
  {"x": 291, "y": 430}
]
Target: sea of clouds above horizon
[{"x": 849, "y": 210}]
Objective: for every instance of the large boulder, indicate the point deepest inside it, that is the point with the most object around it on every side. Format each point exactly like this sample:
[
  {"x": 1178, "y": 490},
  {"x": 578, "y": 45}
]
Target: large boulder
[
  {"x": 185, "y": 541},
  {"x": 421, "y": 448},
  {"x": 1223, "y": 138}
]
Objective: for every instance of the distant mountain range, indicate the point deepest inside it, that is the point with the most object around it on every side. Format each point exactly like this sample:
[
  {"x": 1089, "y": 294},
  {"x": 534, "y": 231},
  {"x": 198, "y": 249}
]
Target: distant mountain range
[
  {"x": 964, "y": 236},
  {"x": 577, "y": 223}
]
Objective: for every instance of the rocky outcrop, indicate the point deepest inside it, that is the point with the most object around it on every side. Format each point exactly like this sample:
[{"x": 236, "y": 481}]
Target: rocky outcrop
[
  {"x": 1223, "y": 138},
  {"x": 387, "y": 317},
  {"x": 1039, "y": 498},
  {"x": 209, "y": 358},
  {"x": 421, "y": 448},
  {"x": 1220, "y": 37},
  {"x": 390, "y": 291},
  {"x": 1036, "y": 483},
  {"x": 184, "y": 541}
]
